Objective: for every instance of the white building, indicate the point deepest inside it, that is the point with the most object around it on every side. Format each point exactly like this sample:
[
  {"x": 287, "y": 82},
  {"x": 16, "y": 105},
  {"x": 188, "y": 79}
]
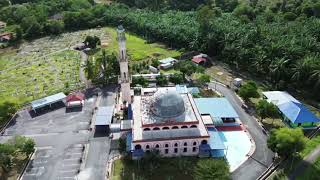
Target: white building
[{"x": 167, "y": 121}]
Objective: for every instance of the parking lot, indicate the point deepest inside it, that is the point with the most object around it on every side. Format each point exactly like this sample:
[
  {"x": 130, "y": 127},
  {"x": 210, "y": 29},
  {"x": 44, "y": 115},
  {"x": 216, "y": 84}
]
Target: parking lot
[{"x": 61, "y": 138}]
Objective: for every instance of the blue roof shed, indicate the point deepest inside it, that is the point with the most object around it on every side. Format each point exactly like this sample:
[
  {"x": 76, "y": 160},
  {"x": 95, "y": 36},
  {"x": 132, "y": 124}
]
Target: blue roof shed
[
  {"x": 297, "y": 113},
  {"x": 216, "y": 107}
]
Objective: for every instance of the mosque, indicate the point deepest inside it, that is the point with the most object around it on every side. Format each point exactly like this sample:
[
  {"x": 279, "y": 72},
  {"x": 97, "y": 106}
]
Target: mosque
[{"x": 169, "y": 119}]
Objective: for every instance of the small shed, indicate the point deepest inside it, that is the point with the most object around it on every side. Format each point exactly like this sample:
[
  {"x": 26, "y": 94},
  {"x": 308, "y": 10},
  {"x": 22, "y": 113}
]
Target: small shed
[
  {"x": 237, "y": 82},
  {"x": 168, "y": 60},
  {"x": 5, "y": 37},
  {"x": 153, "y": 69},
  {"x": 75, "y": 100},
  {"x": 199, "y": 60},
  {"x": 49, "y": 100},
  {"x": 103, "y": 118},
  {"x": 166, "y": 66}
]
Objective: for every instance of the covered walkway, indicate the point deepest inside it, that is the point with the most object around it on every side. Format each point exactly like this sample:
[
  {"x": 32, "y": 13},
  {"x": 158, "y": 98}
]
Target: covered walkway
[{"x": 49, "y": 100}]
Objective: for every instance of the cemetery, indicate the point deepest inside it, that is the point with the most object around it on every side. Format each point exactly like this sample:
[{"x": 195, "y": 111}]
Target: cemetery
[{"x": 42, "y": 67}]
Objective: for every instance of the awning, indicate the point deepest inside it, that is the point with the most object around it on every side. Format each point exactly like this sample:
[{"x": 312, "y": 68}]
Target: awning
[
  {"x": 48, "y": 100},
  {"x": 215, "y": 140},
  {"x": 104, "y": 116}
]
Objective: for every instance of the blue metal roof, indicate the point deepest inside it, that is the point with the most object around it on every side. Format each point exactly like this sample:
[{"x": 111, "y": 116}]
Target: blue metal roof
[
  {"x": 129, "y": 141},
  {"x": 193, "y": 90},
  {"x": 181, "y": 89},
  {"x": 215, "y": 140},
  {"x": 130, "y": 113},
  {"x": 297, "y": 113},
  {"x": 104, "y": 116},
  {"x": 216, "y": 107},
  {"x": 48, "y": 100}
]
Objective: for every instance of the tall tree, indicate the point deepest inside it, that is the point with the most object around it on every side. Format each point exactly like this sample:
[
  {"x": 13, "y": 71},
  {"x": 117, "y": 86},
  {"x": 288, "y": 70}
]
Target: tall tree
[
  {"x": 266, "y": 109},
  {"x": 211, "y": 169},
  {"x": 286, "y": 141},
  {"x": 249, "y": 90}
]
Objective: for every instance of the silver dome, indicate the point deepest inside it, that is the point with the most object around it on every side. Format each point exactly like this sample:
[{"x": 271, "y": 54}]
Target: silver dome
[{"x": 168, "y": 105}]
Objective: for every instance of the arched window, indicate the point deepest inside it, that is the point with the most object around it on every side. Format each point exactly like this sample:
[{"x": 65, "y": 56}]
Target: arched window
[
  {"x": 167, "y": 145},
  {"x": 146, "y": 129},
  {"x": 193, "y": 126},
  {"x": 194, "y": 143},
  {"x": 138, "y": 146},
  {"x": 175, "y": 127},
  {"x": 157, "y": 146},
  {"x": 156, "y": 128},
  {"x": 194, "y": 149},
  {"x": 147, "y": 147},
  {"x": 185, "y": 144},
  {"x": 184, "y": 127},
  {"x": 204, "y": 142},
  {"x": 165, "y": 128},
  {"x": 175, "y": 144}
]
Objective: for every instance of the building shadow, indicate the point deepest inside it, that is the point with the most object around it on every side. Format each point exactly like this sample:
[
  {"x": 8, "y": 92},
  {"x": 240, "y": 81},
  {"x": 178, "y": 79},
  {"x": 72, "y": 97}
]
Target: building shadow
[
  {"x": 74, "y": 109},
  {"x": 101, "y": 132}
]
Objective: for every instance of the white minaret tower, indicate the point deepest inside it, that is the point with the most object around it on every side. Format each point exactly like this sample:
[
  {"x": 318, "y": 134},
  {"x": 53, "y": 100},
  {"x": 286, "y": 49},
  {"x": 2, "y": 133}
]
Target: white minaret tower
[{"x": 124, "y": 79}]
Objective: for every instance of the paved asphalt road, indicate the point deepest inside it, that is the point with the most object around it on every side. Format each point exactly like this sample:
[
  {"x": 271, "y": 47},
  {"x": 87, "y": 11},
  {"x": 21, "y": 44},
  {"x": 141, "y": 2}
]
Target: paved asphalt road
[
  {"x": 60, "y": 137},
  {"x": 262, "y": 157},
  {"x": 99, "y": 144}
]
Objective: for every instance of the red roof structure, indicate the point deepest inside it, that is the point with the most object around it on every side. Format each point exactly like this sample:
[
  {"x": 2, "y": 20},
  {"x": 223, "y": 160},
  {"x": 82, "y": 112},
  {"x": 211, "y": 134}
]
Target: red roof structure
[
  {"x": 5, "y": 36},
  {"x": 199, "y": 60},
  {"x": 75, "y": 100},
  {"x": 75, "y": 97}
]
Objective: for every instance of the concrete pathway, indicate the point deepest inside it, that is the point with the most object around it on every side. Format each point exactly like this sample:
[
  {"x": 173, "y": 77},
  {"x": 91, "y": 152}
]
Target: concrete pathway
[
  {"x": 262, "y": 157},
  {"x": 83, "y": 78},
  {"x": 305, "y": 163}
]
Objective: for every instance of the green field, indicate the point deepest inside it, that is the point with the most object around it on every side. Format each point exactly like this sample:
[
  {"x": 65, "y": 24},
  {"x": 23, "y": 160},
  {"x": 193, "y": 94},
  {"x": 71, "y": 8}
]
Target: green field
[{"x": 139, "y": 49}]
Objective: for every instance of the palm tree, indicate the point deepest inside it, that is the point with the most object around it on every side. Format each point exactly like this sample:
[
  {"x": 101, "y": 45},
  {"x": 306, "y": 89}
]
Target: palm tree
[
  {"x": 301, "y": 71},
  {"x": 279, "y": 69},
  {"x": 315, "y": 78}
]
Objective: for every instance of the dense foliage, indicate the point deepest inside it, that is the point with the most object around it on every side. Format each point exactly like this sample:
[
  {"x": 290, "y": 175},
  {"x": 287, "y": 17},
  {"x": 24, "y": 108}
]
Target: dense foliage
[
  {"x": 8, "y": 151},
  {"x": 248, "y": 90},
  {"x": 267, "y": 109},
  {"x": 286, "y": 141},
  {"x": 211, "y": 169},
  {"x": 7, "y": 110},
  {"x": 275, "y": 40}
]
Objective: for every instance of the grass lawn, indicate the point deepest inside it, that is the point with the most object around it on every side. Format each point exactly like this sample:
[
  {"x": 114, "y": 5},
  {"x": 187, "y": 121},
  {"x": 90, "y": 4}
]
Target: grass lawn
[
  {"x": 139, "y": 49},
  {"x": 18, "y": 163},
  {"x": 169, "y": 71},
  {"x": 289, "y": 165},
  {"x": 169, "y": 168},
  {"x": 219, "y": 74}
]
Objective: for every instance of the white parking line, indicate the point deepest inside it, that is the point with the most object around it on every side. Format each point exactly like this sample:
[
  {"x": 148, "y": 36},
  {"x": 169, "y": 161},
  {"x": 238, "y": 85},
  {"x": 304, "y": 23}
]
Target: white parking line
[
  {"x": 44, "y": 147},
  {"x": 66, "y": 177},
  {"x": 67, "y": 171},
  {"x": 71, "y": 159},
  {"x": 65, "y": 165}
]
